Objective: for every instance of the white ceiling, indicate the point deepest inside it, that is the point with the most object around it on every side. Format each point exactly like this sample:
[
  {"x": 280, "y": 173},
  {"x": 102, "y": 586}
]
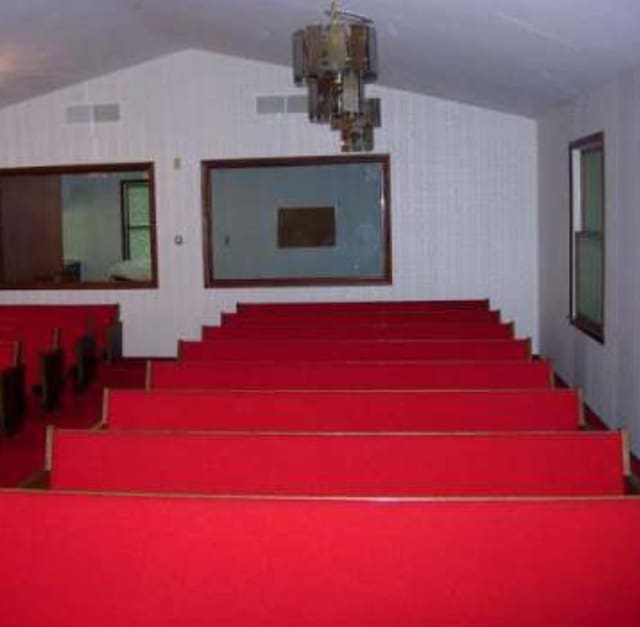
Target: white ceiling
[{"x": 521, "y": 56}]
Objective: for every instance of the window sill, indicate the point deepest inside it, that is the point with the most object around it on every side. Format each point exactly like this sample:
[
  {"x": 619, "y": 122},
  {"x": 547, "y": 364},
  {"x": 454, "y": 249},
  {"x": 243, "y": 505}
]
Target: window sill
[{"x": 588, "y": 327}]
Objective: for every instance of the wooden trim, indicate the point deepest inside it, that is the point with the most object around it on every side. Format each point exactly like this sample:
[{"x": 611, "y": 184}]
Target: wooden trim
[
  {"x": 294, "y": 282},
  {"x": 206, "y": 222},
  {"x": 83, "y": 285},
  {"x": 385, "y": 218},
  {"x": 588, "y": 141},
  {"x": 252, "y": 162},
  {"x": 147, "y": 376},
  {"x": 582, "y": 421},
  {"x": 104, "y": 411},
  {"x": 341, "y": 498},
  {"x": 76, "y": 168},
  {"x": 626, "y": 452},
  {"x": 594, "y": 331},
  {"x": 386, "y": 278},
  {"x": 48, "y": 448},
  {"x": 250, "y": 433}
]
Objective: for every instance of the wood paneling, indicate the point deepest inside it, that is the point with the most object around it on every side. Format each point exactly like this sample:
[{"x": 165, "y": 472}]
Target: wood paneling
[{"x": 31, "y": 217}]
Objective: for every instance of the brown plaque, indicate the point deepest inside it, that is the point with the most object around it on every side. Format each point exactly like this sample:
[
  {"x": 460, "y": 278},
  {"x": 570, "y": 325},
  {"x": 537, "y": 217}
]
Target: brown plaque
[{"x": 306, "y": 226}]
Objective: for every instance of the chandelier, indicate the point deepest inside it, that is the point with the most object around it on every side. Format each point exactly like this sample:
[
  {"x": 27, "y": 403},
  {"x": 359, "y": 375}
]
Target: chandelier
[{"x": 335, "y": 61}]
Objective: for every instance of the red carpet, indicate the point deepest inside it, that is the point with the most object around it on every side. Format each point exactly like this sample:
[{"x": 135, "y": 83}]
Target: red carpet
[{"x": 23, "y": 454}]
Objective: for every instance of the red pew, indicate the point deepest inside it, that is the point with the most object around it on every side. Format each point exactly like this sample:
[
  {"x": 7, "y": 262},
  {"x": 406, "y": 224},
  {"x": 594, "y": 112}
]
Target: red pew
[
  {"x": 434, "y": 331},
  {"x": 381, "y": 350},
  {"x": 344, "y": 411},
  {"x": 423, "y": 306},
  {"x": 43, "y": 359},
  {"x": 351, "y": 375},
  {"x": 72, "y": 335},
  {"x": 89, "y": 559},
  {"x": 100, "y": 321},
  {"x": 481, "y": 464},
  {"x": 257, "y": 317}
]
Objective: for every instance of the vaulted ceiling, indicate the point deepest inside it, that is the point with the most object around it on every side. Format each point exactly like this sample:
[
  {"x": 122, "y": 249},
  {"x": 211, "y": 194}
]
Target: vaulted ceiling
[{"x": 520, "y": 56}]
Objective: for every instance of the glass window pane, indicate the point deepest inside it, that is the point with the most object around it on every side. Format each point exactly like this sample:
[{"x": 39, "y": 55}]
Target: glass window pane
[
  {"x": 140, "y": 244},
  {"x": 590, "y": 276},
  {"x": 138, "y": 204},
  {"x": 592, "y": 190},
  {"x": 343, "y": 234}
]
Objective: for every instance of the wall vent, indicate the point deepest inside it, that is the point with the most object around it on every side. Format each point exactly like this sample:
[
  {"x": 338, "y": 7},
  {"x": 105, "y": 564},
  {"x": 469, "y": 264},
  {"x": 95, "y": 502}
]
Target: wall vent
[
  {"x": 269, "y": 105},
  {"x": 297, "y": 104},
  {"x": 272, "y": 105},
  {"x": 87, "y": 113},
  {"x": 78, "y": 114},
  {"x": 109, "y": 112}
]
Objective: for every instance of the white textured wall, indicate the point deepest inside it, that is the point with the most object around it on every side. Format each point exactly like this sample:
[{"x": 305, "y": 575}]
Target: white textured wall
[
  {"x": 463, "y": 186},
  {"x": 609, "y": 372}
]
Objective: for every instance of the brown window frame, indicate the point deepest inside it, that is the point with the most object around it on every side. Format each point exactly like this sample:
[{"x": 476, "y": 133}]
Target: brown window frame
[
  {"x": 97, "y": 168},
  {"x": 592, "y": 328},
  {"x": 208, "y": 218}
]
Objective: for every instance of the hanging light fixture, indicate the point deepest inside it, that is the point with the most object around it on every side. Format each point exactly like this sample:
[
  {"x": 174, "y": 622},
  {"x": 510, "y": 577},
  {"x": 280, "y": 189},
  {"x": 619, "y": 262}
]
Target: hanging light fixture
[{"x": 335, "y": 61}]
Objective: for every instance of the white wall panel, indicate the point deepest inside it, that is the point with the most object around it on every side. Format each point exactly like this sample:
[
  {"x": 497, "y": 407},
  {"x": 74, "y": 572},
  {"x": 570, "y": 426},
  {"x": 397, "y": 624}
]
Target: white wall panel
[
  {"x": 463, "y": 186},
  {"x": 609, "y": 372}
]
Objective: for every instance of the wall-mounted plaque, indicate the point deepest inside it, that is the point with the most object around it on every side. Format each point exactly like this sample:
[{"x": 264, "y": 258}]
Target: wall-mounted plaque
[{"x": 301, "y": 227}]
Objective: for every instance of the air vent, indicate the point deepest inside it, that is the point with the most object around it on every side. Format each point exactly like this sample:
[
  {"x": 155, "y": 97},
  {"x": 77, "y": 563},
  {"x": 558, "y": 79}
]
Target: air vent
[
  {"x": 273, "y": 105},
  {"x": 106, "y": 112},
  {"x": 269, "y": 105},
  {"x": 86, "y": 113},
  {"x": 297, "y": 104},
  {"x": 79, "y": 114}
]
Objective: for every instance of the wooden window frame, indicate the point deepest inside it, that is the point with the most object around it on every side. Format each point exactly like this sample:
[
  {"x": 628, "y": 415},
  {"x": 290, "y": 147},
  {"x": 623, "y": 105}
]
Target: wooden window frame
[
  {"x": 386, "y": 276},
  {"x": 592, "y": 328},
  {"x": 72, "y": 169}
]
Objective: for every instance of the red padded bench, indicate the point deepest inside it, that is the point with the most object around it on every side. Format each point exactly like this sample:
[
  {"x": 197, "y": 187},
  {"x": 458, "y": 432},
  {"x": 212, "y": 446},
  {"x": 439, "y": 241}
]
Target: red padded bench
[
  {"x": 257, "y": 317},
  {"x": 103, "y": 320},
  {"x": 86, "y": 331},
  {"x": 381, "y": 350},
  {"x": 42, "y": 358},
  {"x": 432, "y": 331},
  {"x": 336, "y": 410},
  {"x": 72, "y": 334},
  {"x": 413, "y": 306},
  {"x": 351, "y": 375},
  {"x": 90, "y": 559},
  {"x": 481, "y": 464}
]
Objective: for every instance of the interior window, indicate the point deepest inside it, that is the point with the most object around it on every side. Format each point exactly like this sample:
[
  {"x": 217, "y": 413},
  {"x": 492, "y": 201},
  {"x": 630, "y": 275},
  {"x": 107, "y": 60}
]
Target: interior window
[
  {"x": 588, "y": 234},
  {"x": 297, "y": 221},
  {"x": 82, "y": 226}
]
